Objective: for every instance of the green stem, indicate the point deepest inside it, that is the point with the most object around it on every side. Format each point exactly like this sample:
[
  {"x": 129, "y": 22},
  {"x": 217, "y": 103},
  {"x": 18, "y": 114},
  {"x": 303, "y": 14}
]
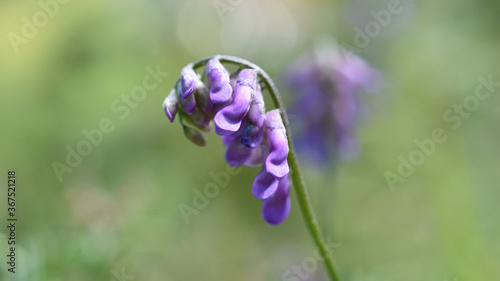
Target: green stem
[{"x": 298, "y": 182}]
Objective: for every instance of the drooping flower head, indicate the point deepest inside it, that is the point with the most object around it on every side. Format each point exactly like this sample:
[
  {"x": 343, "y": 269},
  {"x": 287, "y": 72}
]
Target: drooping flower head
[
  {"x": 235, "y": 104},
  {"x": 326, "y": 84}
]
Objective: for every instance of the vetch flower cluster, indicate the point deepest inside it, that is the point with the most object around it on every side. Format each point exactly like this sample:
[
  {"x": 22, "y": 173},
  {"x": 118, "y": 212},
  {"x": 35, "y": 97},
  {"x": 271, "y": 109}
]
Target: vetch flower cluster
[
  {"x": 326, "y": 83},
  {"x": 235, "y": 104}
]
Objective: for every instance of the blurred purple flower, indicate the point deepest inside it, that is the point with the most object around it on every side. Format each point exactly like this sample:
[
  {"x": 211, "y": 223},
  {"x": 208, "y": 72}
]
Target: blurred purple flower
[
  {"x": 326, "y": 84},
  {"x": 251, "y": 136}
]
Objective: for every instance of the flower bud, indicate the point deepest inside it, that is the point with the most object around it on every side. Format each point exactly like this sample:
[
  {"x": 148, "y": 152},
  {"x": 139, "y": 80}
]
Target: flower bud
[
  {"x": 200, "y": 118},
  {"x": 188, "y": 81},
  {"x": 202, "y": 97},
  {"x": 194, "y": 136},
  {"x": 186, "y": 89},
  {"x": 170, "y": 105}
]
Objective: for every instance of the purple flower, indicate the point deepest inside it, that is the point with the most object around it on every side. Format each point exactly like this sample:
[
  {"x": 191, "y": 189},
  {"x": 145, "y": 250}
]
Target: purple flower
[
  {"x": 228, "y": 119},
  {"x": 276, "y": 161},
  {"x": 272, "y": 180},
  {"x": 220, "y": 90},
  {"x": 253, "y": 138},
  {"x": 327, "y": 85}
]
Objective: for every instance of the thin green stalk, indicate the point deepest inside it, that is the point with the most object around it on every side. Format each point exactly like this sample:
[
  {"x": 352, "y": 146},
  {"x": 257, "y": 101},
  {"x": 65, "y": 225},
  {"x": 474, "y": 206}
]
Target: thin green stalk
[{"x": 298, "y": 182}]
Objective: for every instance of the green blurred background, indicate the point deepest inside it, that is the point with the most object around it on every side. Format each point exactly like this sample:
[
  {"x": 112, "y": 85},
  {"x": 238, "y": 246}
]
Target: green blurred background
[{"x": 115, "y": 216}]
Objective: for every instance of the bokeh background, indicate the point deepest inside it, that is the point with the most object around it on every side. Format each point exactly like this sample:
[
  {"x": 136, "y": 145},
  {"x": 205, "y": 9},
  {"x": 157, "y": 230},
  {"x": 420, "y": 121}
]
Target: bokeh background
[{"x": 115, "y": 216}]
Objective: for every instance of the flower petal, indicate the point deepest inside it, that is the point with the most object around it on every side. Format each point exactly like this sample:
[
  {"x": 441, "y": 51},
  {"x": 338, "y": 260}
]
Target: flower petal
[
  {"x": 276, "y": 208},
  {"x": 253, "y": 134},
  {"x": 264, "y": 185},
  {"x": 189, "y": 104},
  {"x": 170, "y": 105},
  {"x": 188, "y": 81},
  {"x": 221, "y": 90},
  {"x": 276, "y": 162},
  {"x": 237, "y": 154},
  {"x": 226, "y": 140},
  {"x": 257, "y": 111},
  {"x": 255, "y": 158}
]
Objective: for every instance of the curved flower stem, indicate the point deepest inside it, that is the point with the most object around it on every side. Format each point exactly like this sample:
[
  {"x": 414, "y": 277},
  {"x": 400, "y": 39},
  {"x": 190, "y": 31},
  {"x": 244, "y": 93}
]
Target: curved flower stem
[{"x": 298, "y": 182}]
